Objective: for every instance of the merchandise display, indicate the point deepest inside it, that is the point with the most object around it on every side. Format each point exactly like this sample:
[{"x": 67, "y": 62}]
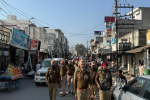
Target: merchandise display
[{"x": 11, "y": 78}]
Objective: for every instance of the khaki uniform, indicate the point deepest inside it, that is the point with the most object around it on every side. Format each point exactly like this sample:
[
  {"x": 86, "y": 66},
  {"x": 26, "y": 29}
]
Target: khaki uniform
[
  {"x": 52, "y": 75},
  {"x": 82, "y": 80},
  {"x": 104, "y": 78},
  {"x": 63, "y": 77},
  {"x": 70, "y": 77},
  {"x": 93, "y": 86},
  {"x": 76, "y": 69}
]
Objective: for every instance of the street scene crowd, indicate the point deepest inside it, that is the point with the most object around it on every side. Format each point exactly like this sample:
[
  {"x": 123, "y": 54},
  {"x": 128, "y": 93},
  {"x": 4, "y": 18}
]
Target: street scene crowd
[{"x": 84, "y": 80}]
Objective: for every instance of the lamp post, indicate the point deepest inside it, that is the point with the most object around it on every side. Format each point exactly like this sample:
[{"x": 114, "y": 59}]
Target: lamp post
[{"x": 29, "y": 45}]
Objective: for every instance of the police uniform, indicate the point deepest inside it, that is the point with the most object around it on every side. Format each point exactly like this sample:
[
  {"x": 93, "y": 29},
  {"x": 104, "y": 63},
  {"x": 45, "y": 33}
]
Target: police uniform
[
  {"x": 63, "y": 76},
  {"x": 104, "y": 79},
  {"x": 70, "y": 77},
  {"x": 52, "y": 75},
  {"x": 93, "y": 86},
  {"x": 82, "y": 80},
  {"x": 76, "y": 68}
]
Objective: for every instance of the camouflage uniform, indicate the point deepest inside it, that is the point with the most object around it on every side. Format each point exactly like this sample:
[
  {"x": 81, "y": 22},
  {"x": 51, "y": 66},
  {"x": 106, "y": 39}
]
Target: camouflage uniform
[{"x": 104, "y": 79}]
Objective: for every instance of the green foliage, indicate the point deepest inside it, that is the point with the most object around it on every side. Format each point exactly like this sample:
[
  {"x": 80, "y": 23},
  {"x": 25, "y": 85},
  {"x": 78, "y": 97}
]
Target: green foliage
[{"x": 80, "y": 48}]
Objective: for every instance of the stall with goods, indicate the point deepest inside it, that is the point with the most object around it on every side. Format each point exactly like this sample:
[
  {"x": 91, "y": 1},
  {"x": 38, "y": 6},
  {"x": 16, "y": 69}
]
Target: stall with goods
[{"x": 11, "y": 78}]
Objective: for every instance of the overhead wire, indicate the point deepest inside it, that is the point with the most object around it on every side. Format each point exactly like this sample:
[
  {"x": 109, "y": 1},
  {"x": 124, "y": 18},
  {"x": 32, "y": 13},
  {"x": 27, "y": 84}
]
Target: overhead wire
[
  {"x": 49, "y": 24},
  {"x": 18, "y": 12},
  {"x": 14, "y": 20}
]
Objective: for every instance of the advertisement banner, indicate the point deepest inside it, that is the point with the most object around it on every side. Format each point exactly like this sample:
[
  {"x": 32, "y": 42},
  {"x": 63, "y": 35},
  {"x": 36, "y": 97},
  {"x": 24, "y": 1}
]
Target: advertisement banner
[
  {"x": 113, "y": 26},
  {"x": 19, "y": 39},
  {"x": 34, "y": 44},
  {"x": 148, "y": 37},
  {"x": 108, "y": 26},
  {"x": 108, "y": 30},
  {"x": 109, "y": 19},
  {"x": 108, "y": 45}
]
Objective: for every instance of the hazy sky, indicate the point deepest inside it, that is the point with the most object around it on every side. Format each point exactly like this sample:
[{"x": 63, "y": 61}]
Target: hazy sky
[{"x": 74, "y": 17}]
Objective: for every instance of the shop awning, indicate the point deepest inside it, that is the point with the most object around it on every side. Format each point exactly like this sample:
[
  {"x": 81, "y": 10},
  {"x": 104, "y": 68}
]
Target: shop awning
[{"x": 138, "y": 49}]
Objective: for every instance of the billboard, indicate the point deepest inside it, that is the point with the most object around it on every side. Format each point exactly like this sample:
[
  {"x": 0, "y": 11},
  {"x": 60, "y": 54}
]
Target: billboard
[
  {"x": 109, "y": 19},
  {"x": 148, "y": 37},
  {"x": 34, "y": 44},
  {"x": 19, "y": 39},
  {"x": 108, "y": 25}
]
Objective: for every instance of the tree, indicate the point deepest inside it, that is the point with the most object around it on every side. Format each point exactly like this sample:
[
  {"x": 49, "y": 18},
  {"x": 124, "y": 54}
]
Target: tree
[{"x": 80, "y": 48}]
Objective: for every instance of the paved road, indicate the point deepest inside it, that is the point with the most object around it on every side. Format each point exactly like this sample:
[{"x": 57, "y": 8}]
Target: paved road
[{"x": 28, "y": 91}]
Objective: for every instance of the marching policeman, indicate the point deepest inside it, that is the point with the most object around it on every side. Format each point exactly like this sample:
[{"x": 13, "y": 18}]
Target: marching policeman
[
  {"x": 63, "y": 76},
  {"x": 104, "y": 82},
  {"x": 76, "y": 68},
  {"x": 82, "y": 80},
  {"x": 70, "y": 77},
  {"x": 93, "y": 86},
  {"x": 52, "y": 77}
]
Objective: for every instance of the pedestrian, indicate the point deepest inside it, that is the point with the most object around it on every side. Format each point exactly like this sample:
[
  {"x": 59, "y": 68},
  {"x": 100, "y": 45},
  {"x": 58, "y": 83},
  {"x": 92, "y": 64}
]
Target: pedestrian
[
  {"x": 93, "y": 86},
  {"x": 76, "y": 68},
  {"x": 70, "y": 73},
  {"x": 38, "y": 66},
  {"x": 141, "y": 69},
  {"x": 63, "y": 77},
  {"x": 120, "y": 79},
  {"x": 52, "y": 77},
  {"x": 82, "y": 81},
  {"x": 104, "y": 82}
]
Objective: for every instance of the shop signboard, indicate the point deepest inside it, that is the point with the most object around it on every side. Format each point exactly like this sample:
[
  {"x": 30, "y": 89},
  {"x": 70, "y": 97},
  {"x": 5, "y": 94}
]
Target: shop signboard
[
  {"x": 148, "y": 37},
  {"x": 34, "y": 44},
  {"x": 109, "y": 19},
  {"x": 4, "y": 35},
  {"x": 108, "y": 45},
  {"x": 113, "y": 44},
  {"x": 108, "y": 25},
  {"x": 19, "y": 39},
  {"x": 113, "y": 26}
]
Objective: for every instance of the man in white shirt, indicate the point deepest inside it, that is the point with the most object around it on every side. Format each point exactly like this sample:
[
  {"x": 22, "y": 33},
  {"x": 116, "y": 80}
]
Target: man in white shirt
[
  {"x": 38, "y": 66},
  {"x": 141, "y": 69}
]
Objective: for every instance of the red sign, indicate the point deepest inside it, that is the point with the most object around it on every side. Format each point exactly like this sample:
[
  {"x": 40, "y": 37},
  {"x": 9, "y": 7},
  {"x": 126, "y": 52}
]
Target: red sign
[
  {"x": 34, "y": 44},
  {"x": 108, "y": 30},
  {"x": 109, "y": 19}
]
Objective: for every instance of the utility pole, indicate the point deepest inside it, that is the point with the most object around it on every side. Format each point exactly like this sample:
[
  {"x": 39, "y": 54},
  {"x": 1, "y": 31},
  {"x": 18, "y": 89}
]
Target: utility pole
[
  {"x": 29, "y": 45},
  {"x": 117, "y": 24},
  {"x": 87, "y": 45},
  {"x": 117, "y": 31}
]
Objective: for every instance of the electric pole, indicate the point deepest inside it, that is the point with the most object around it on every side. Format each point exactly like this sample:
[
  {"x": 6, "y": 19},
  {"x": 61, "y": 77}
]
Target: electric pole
[{"x": 122, "y": 23}]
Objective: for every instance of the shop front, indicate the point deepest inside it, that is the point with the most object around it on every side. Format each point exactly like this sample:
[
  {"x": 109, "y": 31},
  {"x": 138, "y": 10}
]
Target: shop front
[
  {"x": 4, "y": 47},
  {"x": 19, "y": 47},
  {"x": 34, "y": 52}
]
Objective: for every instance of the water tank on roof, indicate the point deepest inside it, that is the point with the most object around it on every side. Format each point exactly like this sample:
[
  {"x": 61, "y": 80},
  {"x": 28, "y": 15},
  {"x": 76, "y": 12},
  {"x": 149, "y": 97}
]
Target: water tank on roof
[{"x": 13, "y": 17}]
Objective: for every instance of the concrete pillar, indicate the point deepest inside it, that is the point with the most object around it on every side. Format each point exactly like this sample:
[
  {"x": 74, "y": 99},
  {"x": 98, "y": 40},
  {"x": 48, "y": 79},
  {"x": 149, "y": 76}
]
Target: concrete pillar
[
  {"x": 122, "y": 61},
  {"x": 128, "y": 62}
]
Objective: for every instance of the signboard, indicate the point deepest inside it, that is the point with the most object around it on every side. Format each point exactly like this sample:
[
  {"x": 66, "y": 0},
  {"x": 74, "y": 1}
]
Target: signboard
[
  {"x": 113, "y": 41},
  {"x": 108, "y": 45},
  {"x": 148, "y": 37},
  {"x": 97, "y": 32},
  {"x": 108, "y": 26},
  {"x": 19, "y": 39},
  {"x": 34, "y": 44},
  {"x": 109, "y": 19},
  {"x": 113, "y": 26},
  {"x": 4, "y": 35},
  {"x": 108, "y": 30}
]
